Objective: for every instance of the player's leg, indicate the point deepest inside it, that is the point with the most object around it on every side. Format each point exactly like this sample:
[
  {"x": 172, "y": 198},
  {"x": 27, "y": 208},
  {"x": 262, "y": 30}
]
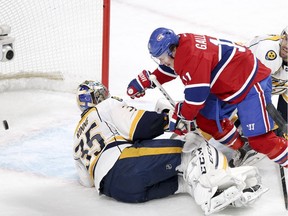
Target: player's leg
[
  {"x": 257, "y": 124},
  {"x": 201, "y": 178},
  {"x": 209, "y": 180},
  {"x": 214, "y": 120},
  {"x": 144, "y": 171},
  {"x": 225, "y": 132}
]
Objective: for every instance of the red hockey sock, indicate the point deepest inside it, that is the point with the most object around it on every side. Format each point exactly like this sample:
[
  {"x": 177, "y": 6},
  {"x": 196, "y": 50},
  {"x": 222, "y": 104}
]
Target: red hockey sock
[
  {"x": 229, "y": 136},
  {"x": 276, "y": 148}
]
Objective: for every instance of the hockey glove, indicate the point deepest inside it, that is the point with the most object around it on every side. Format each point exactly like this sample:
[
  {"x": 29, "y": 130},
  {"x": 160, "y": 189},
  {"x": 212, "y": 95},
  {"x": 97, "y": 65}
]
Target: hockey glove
[
  {"x": 175, "y": 120},
  {"x": 177, "y": 123},
  {"x": 137, "y": 86}
]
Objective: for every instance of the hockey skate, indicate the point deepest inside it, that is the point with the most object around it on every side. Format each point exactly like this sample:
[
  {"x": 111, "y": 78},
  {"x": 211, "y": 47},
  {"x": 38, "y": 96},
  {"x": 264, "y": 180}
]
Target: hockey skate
[
  {"x": 245, "y": 156},
  {"x": 211, "y": 199},
  {"x": 250, "y": 195},
  {"x": 221, "y": 200}
]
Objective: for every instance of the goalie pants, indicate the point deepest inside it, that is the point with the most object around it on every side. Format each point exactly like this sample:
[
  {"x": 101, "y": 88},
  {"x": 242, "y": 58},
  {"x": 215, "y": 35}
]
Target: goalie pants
[{"x": 144, "y": 171}]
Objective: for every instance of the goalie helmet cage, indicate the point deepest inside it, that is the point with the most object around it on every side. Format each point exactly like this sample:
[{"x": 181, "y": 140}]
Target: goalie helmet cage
[{"x": 58, "y": 43}]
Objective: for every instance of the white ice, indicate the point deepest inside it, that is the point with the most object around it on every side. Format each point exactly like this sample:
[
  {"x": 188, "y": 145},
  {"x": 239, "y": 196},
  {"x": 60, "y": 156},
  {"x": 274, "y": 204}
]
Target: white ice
[{"x": 37, "y": 175}]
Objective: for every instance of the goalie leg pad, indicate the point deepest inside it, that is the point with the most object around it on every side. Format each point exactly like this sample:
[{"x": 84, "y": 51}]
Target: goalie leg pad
[
  {"x": 253, "y": 185},
  {"x": 216, "y": 190},
  {"x": 213, "y": 187},
  {"x": 84, "y": 178},
  {"x": 221, "y": 201},
  {"x": 192, "y": 142},
  {"x": 200, "y": 159},
  {"x": 250, "y": 195},
  {"x": 249, "y": 174}
]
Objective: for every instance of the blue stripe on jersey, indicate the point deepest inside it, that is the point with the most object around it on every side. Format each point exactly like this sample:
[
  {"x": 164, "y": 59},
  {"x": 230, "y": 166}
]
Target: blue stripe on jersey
[
  {"x": 227, "y": 139},
  {"x": 282, "y": 158},
  {"x": 196, "y": 94},
  {"x": 167, "y": 71},
  {"x": 225, "y": 53}
]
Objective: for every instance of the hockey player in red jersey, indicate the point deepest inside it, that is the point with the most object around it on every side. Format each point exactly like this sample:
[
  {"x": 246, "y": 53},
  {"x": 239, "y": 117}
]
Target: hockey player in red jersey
[
  {"x": 272, "y": 51},
  {"x": 115, "y": 152},
  {"x": 219, "y": 76}
]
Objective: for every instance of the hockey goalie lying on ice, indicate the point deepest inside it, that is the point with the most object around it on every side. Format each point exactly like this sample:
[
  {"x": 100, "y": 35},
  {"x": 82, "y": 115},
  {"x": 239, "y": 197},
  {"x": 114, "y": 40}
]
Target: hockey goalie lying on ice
[{"x": 115, "y": 152}]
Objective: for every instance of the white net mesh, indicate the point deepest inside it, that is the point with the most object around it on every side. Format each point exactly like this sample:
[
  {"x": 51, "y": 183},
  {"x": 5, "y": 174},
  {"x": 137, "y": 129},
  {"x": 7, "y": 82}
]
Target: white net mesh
[{"x": 61, "y": 38}]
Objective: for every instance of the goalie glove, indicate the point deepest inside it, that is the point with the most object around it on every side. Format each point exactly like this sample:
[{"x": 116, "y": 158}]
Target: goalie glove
[
  {"x": 137, "y": 86},
  {"x": 163, "y": 106}
]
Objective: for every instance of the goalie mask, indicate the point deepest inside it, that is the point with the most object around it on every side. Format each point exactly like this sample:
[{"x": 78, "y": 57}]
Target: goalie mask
[{"x": 91, "y": 93}]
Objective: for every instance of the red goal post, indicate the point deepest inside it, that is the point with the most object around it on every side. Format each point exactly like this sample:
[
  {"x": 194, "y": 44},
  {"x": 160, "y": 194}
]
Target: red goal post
[
  {"x": 106, "y": 43},
  {"x": 58, "y": 43}
]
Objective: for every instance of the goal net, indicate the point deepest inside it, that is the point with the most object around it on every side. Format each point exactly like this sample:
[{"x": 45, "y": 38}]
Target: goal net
[{"x": 58, "y": 43}]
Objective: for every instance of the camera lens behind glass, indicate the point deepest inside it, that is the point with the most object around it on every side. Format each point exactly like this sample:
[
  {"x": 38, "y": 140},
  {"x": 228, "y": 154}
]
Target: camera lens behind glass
[{"x": 9, "y": 54}]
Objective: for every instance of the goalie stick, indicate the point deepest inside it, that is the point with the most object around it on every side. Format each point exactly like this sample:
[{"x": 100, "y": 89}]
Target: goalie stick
[{"x": 282, "y": 124}]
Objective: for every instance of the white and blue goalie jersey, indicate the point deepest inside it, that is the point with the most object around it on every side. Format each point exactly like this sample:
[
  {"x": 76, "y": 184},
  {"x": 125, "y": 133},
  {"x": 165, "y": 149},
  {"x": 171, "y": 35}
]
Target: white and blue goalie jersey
[{"x": 105, "y": 130}]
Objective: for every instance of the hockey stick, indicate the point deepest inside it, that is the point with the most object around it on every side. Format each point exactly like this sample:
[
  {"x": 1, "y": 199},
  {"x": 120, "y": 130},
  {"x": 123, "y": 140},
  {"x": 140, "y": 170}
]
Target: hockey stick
[
  {"x": 284, "y": 187},
  {"x": 160, "y": 87},
  {"x": 166, "y": 95},
  {"x": 276, "y": 116},
  {"x": 189, "y": 125}
]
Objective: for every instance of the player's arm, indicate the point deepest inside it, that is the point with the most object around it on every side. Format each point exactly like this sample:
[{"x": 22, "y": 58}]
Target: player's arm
[
  {"x": 134, "y": 124},
  {"x": 142, "y": 82},
  {"x": 195, "y": 96},
  {"x": 151, "y": 125},
  {"x": 164, "y": 74},
  {"x": 197, "y": 89},
  {"x": 82, "y": 170},
  {"x": 186, "y": 111}
]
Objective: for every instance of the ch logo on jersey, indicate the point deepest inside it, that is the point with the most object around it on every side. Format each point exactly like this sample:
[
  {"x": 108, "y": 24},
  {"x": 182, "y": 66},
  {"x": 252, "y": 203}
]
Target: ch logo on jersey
[
  {"x": 251, "y": 126},
  {"x": 271, "y": 55}
]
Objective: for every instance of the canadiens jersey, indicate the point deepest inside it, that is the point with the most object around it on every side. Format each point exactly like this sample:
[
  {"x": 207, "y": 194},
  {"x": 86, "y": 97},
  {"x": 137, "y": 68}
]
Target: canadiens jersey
[
  {"x": 105, "y": 130},
  {"x": 210, "y": 65}
]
